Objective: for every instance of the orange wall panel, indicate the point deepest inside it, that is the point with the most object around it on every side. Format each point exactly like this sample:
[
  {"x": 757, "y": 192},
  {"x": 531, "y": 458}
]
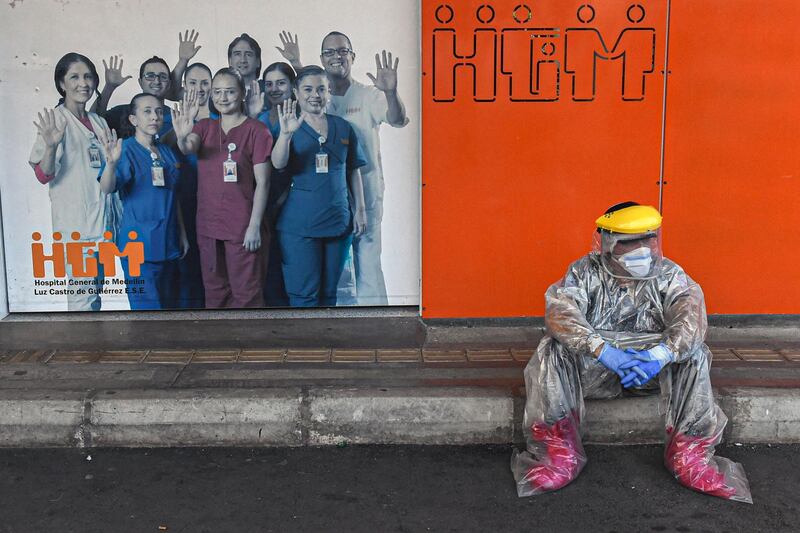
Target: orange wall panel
[
  {"x": 732, "y": 199},
  {"x": 511, "y": 188}
]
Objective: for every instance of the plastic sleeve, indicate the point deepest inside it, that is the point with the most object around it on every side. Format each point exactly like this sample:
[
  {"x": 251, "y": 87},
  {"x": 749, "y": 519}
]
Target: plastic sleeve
[
  {"x": 685, "y": 317},
  {"x": 566, "y": 305}
]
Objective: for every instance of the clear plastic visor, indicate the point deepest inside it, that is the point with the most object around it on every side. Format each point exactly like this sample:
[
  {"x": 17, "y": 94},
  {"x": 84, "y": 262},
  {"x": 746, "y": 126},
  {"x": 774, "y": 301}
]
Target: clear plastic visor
[{"x": 630, "y": 256}]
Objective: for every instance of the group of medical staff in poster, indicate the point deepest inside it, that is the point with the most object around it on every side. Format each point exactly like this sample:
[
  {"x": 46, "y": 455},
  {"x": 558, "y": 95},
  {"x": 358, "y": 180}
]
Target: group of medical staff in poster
[{"x": 254, "y": 189}]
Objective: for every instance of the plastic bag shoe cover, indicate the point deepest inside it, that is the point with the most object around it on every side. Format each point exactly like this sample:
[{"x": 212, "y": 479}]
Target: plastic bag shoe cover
[
  {"x": 546, "y": 478},
  {"x": 688, "y": 458},
  {"x": 562, "y": 462}
]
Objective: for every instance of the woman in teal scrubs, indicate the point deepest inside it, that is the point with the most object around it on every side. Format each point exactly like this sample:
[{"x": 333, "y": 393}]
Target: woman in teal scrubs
[
  {"x": 278, "y": 81},
  {"x": 325, "y": 205}
]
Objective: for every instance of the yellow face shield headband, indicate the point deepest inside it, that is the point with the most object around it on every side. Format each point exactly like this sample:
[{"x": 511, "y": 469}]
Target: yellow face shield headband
[{"x": 631, "y": 220}]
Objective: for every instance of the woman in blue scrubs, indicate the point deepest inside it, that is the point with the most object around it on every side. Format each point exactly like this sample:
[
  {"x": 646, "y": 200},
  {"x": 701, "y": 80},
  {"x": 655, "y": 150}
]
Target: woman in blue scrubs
[
  {"x": 145, "y": 174},
  {"x": 197, "y": 79},
  {"x": 325, "y": 205}
]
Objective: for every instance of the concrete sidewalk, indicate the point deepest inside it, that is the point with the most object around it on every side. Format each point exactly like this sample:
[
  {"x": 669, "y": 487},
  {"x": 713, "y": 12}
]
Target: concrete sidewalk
[
  {"x": 340, "y": 328},
  {"x": 282, "y": 382}
]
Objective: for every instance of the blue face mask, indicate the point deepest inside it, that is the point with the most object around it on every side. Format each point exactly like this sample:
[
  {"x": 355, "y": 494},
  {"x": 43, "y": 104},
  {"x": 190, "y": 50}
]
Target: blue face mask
[{"x": 637, "y": 262}]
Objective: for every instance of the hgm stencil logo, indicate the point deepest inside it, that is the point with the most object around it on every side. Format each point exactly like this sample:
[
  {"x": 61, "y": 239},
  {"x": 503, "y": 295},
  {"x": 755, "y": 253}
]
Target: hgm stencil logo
[{"x": 526, "y": 62}]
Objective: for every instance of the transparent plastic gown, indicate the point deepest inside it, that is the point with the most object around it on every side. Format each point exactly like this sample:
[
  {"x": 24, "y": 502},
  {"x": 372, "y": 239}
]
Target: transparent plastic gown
[{"x": 588, "y": 307}]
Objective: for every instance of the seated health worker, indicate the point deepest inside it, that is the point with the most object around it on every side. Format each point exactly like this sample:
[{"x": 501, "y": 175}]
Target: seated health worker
[
  {"x": 66, "y": 157},
  {"x": 233, "y": 156},
  {"x": 624, "y": 317},
  {"x": 325, "y": 205},
  {"x": 145, "y": 174}
]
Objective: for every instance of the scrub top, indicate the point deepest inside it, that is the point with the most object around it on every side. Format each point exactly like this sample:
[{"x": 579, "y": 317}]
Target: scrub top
[
  {"x": 365, "y": 108},
  {"x": 149, "y": 210},
  {"x": 318, "y": 204},
  {"x": 224, "y": 208},
  {"x": 280, "y": 179},
  {"x": 187, "y": 190},
  {"x": 274, "y": 129}
]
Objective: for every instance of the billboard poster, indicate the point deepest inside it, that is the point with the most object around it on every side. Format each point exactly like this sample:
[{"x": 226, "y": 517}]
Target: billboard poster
[{"x": 185, "y": 155}]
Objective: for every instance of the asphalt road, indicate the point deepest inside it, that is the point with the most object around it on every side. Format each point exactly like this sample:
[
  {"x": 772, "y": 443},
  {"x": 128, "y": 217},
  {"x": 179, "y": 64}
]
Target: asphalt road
[{"x": 375, "y": 489}]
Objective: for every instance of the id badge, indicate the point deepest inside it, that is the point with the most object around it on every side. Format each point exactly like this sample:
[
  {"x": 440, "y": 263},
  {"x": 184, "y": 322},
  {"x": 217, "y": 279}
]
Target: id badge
[
  {"x": 230, "y": 172},
  {"x": 94, "y": 156},
  {"x": 158, "y": 176},
  {"x": 322, "y": 163}
]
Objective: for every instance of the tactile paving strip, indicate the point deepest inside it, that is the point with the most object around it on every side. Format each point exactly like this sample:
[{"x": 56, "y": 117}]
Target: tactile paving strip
[
  {"x": 215, "y": 356},
  {"x": 262, "y": 356},
  {"x": 399, "y": 356},
  {"x": 488, "y": 355},
  {"x": 444, "y": 356},
  {"x": 353, "y": 356},
  {"x": 63, "y": 356},
  {"x": 759, "y": 355},
  {"x": 123, "y": 356},
  {"x": 314, "y": 355},
  {"x": 341, "y": 355},
  {"x": 30, "y": 356},
  {"x": 791, "y": 355},
  {"x": 179, "y": 357},
  {"x": 724, "y": 354}
]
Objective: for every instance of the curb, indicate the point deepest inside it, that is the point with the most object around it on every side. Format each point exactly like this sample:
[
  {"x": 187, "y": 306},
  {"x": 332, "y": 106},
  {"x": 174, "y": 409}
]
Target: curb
[
  {"x": 166, "y": 330},
  {"x": 314, "y": 416}
]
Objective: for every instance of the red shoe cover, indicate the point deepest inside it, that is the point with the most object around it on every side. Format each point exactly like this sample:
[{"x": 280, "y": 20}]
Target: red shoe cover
[
  {"x": 561, "y": 465},
  {"x": 545, "y": 478},
  {"x": 688, "y": 458}
]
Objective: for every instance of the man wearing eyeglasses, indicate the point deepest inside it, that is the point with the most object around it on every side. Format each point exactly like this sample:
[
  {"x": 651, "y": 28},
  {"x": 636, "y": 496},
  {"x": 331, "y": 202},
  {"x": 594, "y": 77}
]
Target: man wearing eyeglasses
[
  {"x": 366, "y": 108},
  {"x": 154, "y": 78}
]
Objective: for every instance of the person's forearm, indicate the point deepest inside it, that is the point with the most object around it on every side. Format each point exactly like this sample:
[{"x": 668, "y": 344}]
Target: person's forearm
[
  {"x": 175, "y": 91},
  {"x": 598, "y": 350},
  {"x": 187, "y": 144},
  {"x": 397, "y": 111},
  {"x": 48, "y": 162},
  {"x": 262, "y": 172},
  {"x": 566, "y": 308},
  {"x": 181, "y": 223},
  {"x": 357, "y": 189},
  {"x": 255, "y": 107},
  {"x": 108, "y": 181},
  {"x": 685, "y": 318},
  {"x": 100, "y": 105},
  {"x": 280, "y": 151},
  {"x": 170, "y": 139}
]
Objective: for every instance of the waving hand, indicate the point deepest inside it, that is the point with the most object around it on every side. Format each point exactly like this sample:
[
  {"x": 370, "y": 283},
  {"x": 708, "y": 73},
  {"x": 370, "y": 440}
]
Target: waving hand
[{"x": 386, "y": 77}]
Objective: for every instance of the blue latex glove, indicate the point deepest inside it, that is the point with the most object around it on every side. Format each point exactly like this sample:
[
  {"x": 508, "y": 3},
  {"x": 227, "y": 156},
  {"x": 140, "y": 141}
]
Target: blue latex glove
[
  {"x": 640, "y": 372},
  {"x": 646, "y": 365},
  {"x": 613, "y": 359}
]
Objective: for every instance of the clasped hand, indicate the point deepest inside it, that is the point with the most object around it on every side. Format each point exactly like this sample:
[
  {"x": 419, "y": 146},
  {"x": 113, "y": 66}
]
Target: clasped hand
[{"x": 634, "y": 367}]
